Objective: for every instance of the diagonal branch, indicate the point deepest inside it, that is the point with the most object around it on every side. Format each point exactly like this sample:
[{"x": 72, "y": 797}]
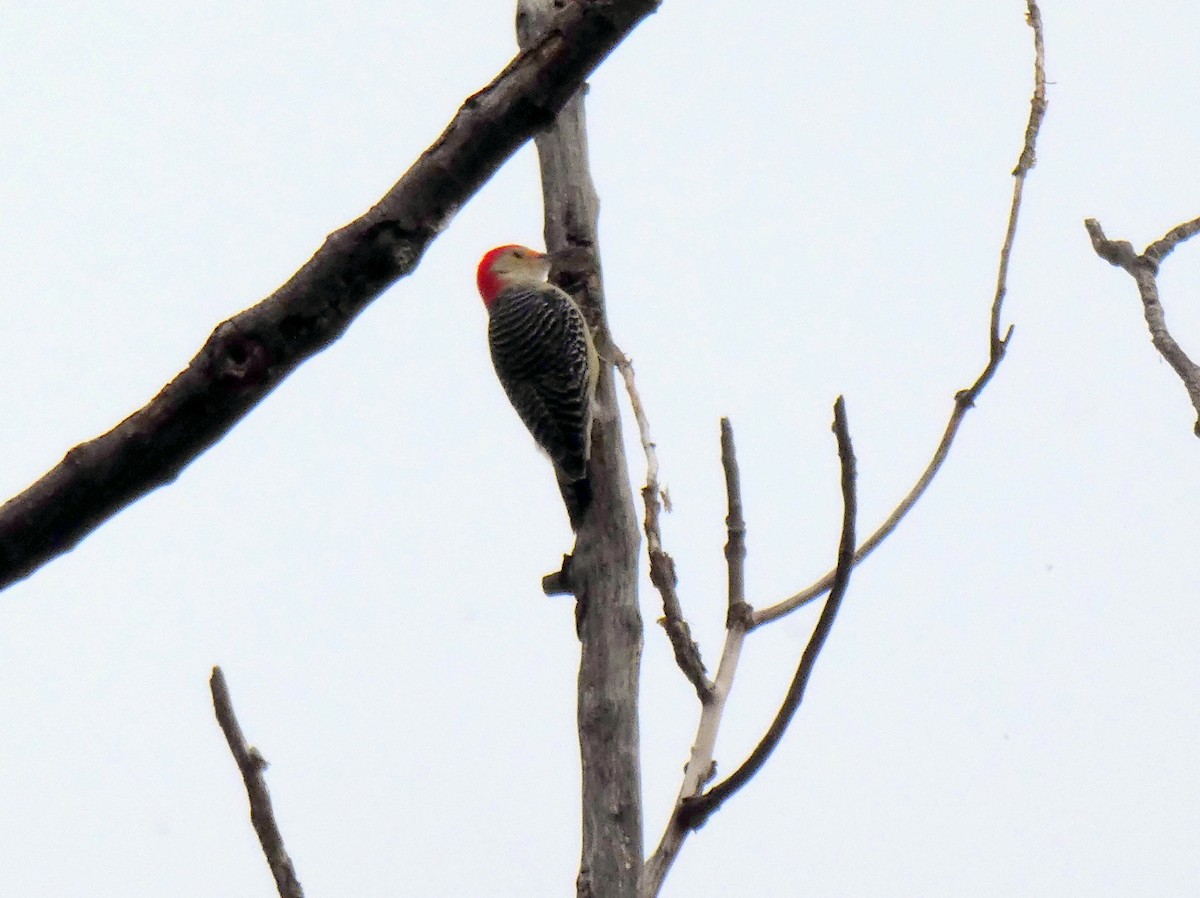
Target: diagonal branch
[
  {"x": 252, "y": 765},
  {"x": 964, "y": 400},
  {"x": 247, "y": 356},
  {"x": 662, "y": 565},
  {"x": 695, "y": 811},
  {"x": 1144, "y": 271}
]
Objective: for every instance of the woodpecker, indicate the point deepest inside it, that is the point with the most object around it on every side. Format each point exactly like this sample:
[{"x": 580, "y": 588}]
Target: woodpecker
[{"x": 544, "y": 356}]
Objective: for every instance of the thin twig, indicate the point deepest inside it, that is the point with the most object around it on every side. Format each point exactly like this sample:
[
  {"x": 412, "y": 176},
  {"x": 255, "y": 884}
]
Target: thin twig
[
  {"x": 695, "y": 811},
  {"x": 735, "y": 527},
  {"x": 662, "y": 565},
  {"x": 964, "y": 400},
  {"x": 252, "y": 764},
  {"x": 700, "y": 767},
  {"x": 1144, "y": 271}
]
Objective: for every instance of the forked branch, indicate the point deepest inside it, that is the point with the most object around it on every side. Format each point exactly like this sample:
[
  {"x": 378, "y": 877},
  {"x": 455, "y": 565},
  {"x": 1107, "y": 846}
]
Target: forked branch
[
  {"x": 693, "y": 806},
  {"x": 1144, "y": 271},
  {"x": 696, "y": 810}
]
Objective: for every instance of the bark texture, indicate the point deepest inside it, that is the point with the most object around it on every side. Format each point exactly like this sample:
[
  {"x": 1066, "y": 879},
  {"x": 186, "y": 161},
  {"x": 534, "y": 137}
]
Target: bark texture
[
  {"x": 603, "y": 569},
  {"x": 249, "y": 355}
]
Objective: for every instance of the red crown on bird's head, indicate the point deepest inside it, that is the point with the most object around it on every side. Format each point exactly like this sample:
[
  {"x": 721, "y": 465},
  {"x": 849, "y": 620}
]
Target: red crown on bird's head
[{"x": 489, "y": 282}]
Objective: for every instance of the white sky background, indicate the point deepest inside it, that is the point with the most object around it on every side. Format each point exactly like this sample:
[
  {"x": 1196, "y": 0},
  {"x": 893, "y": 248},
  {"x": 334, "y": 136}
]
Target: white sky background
[{"x": 798, "y": 202}]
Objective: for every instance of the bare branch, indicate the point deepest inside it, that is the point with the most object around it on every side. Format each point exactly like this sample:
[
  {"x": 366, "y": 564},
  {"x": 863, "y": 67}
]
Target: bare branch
[
  {"x": 693, "y": 808},
  {"x": 1144, "y": 271},
  {"x": 1115, "y": 252},
  {"x": 252, "y": 765},
  {"x": 1037, "y": 111},
  {"x": 700, "y": 766},
  {"x": 249, "y": 355},
  {"x": 662, "y": 565},
  {"x": 1160, "y": 249},
  {"x": 735, "y": 528},
  {"x": 603, "y": 568},
  {"x": 695, "y": 811},
  {"x": 964, "y": 400}
]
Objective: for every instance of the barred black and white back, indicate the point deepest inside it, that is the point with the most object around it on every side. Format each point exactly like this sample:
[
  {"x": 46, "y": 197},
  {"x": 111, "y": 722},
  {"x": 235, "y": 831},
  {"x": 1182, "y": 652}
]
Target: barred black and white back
[{"x": 544, "y": 357}]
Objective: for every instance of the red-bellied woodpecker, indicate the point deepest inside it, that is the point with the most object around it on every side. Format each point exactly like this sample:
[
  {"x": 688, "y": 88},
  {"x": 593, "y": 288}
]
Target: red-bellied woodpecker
[{"x": 543, "y": 354}]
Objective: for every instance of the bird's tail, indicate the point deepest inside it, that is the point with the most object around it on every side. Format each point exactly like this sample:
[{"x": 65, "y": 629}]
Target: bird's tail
[{"x": 577, "y": 496}]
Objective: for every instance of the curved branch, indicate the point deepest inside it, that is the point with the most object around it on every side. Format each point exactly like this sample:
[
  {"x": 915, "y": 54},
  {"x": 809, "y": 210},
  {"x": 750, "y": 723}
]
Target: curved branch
[
  {"x": 246, "y": 357},
  {"x": 693, "y": 807},
  {"x": 964, "y": 400},
  {"x": 1144, "y": 271},
  {"x": 696, "y": 810}
]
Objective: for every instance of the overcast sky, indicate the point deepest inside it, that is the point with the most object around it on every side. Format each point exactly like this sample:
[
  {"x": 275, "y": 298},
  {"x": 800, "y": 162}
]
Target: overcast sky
[{"x": 799, "y": 201}]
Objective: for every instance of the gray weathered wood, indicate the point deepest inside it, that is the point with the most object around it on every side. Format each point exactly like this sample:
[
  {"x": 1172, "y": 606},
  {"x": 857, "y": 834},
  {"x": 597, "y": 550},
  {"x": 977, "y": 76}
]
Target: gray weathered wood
[{"x": 603, "y": 570}]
